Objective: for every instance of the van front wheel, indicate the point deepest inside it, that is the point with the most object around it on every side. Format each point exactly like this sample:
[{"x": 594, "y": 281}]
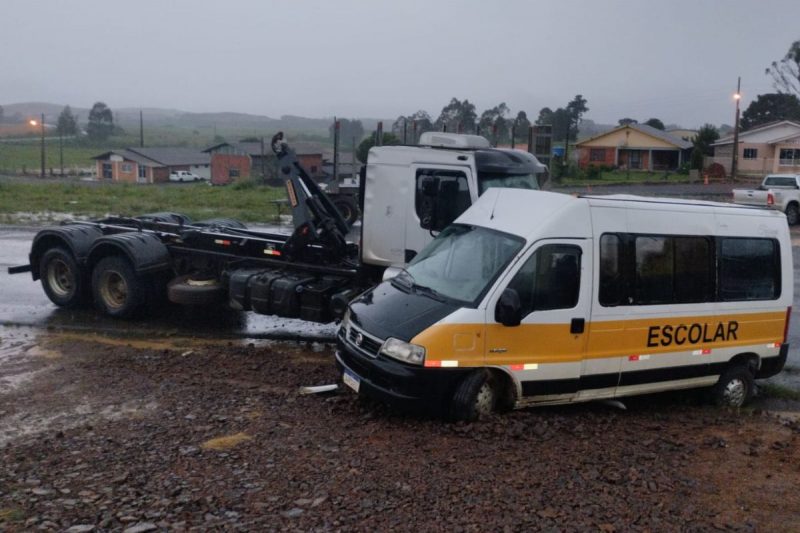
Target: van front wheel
[
  {"x": 475, "y": 397},
  {"x": 734, "y": 388}
]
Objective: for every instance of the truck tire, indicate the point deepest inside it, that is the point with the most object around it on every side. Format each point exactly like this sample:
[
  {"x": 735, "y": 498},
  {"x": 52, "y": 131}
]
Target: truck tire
[
  {"x": 734, "y": 388},
  {"x": 117, "y": 290},
  {"x": 475, "y": 397},
  {"x": 62, "y": 279},
  {"x": 792, "y": 214},
  {"x": 187, "y": 290},
  {"x": 347, "y": 208}
]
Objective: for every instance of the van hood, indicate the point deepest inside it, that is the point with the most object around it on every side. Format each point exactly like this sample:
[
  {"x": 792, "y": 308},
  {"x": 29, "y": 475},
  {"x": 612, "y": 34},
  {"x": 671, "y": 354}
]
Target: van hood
[{"x": 387, "y": 311}]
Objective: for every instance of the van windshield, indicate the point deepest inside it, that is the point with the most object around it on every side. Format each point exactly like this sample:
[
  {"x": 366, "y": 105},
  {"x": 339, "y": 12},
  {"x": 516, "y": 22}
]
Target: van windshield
[{"x": 462, "y": 262}]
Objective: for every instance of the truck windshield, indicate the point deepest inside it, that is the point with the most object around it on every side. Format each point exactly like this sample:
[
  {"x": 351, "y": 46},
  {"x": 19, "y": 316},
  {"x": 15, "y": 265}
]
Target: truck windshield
[
  {"x": 487, "y": 180},
  {"x": 462, "y": 262}
]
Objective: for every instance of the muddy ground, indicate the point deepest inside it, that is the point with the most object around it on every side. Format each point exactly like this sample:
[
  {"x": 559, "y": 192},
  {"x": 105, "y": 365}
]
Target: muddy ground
[{"x": 101, "y": 433}]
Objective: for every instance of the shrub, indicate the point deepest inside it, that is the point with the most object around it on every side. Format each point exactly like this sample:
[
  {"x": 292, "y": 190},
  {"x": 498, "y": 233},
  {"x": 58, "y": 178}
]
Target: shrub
[{"x": 593, "y": 172}]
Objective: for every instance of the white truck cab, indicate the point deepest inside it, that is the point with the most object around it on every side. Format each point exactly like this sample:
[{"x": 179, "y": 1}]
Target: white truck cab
[{"x": 413, "y": 192}]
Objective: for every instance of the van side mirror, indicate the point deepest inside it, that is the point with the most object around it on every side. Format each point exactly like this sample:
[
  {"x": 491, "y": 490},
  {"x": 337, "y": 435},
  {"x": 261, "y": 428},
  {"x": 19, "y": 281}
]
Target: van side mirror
[{"x": 508, "y": 310}]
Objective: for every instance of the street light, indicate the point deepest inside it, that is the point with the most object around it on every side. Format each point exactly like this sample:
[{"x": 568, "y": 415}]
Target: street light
[{"x": 737, "y": 96}]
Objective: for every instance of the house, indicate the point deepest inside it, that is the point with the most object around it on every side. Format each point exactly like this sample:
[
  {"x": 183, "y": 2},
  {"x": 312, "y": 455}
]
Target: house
[
  {"x": 150, "y": 165},
  {"x": 635, "y": 147},
  {"x": 767, "y": 149},
  {"x": 230, "y": 160}
]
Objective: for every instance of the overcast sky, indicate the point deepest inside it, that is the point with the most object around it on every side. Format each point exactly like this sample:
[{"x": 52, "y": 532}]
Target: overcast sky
[{"x": 676, "y": 60}]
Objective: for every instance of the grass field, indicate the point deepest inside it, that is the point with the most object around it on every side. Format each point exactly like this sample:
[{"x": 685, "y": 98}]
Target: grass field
[
  {"x": 18, "y": 155},
  {"x": 244, "y": 201}
]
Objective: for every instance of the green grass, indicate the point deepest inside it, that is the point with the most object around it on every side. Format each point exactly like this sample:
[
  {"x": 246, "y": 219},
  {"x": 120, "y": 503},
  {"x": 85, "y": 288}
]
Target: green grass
[
  {"x": 241, "y": 201},
  {"x": 18, "y": 155},
  {"x": 781, "y": 392}
]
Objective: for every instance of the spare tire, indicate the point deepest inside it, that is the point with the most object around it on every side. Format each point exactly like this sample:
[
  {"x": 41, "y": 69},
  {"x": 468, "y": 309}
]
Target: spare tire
[
  {"x": 195, "y": 289},
  {"x": 347, "y": 208}
]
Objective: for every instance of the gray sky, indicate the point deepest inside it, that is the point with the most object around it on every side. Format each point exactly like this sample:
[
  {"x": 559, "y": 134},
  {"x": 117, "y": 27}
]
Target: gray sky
[{"x": 676, "y": 60}]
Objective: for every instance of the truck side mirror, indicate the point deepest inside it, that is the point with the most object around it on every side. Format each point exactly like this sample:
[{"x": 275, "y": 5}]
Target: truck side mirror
[{"x": 508, "y": 310}]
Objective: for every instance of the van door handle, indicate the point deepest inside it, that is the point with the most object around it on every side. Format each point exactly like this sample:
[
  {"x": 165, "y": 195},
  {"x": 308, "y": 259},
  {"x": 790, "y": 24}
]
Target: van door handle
[{"x": 577, "y": 325}]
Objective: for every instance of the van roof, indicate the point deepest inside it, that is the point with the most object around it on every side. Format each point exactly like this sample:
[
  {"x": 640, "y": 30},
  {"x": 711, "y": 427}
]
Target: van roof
[{"x": 529, "y": 214}]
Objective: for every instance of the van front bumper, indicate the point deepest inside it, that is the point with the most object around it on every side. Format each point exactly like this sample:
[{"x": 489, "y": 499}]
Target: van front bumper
[{"x": 395, "y": 383}]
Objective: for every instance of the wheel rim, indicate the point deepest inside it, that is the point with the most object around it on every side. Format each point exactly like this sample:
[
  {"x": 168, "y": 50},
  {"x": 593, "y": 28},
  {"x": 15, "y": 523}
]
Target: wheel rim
[
  {"x": 345, "y": 211},
  {"x": 484, "y": 401},
  {"x": 60, "y": 278},
  {"x": 735, "y": 392},
  {"x": 113, "y": 289}
]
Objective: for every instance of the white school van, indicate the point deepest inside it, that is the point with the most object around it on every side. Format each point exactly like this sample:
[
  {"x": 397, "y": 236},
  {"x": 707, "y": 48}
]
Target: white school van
[{"x": 537, "y": 297}]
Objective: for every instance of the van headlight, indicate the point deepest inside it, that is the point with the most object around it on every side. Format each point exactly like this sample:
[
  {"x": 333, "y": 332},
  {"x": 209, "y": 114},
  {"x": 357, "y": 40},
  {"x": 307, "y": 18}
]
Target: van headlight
[{"x": 403, "y": 351}]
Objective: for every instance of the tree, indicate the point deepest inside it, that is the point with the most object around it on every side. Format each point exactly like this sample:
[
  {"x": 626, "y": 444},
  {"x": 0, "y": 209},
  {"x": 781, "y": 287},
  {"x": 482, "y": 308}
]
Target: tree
[
  {"x": 627, "y": 121},
  {"x": 769, "y": 108},
  {"x": 101, "y": 122},
  {"x": 1, "y": 114},
  {"x": 423, "y": 123},
  {"x": 576, "y": 108},
  {"x": 67, "y": 122},
  {"x": 347, "y": 130},
  {"x": 786, "y": 72},
  {"x": 457, "y": 115},
  {"x": 363, "y": 149},
  {"x": 493, "y": 123},
  {"x": 655, "y": 123},
  {"x": 521, "y": 127},
  {"x": 706, "y": 136},
  {"x": 545, "y": 117}
]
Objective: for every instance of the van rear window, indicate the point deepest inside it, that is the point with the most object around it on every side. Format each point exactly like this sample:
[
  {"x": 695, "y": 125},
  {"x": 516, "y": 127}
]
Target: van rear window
[{"x": 666, "y": 269}]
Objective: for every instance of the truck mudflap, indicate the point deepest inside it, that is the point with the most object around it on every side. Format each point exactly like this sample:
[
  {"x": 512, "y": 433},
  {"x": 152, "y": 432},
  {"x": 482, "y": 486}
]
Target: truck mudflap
[
  {"x": 77, "y": 238},
  {"x": 145, "y": 251}
]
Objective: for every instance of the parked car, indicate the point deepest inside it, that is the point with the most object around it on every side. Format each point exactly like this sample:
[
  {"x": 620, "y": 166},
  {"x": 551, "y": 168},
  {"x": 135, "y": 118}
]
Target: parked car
[
  {"x": 778, "y": 191},
  {"x": 184, "y": 175}
]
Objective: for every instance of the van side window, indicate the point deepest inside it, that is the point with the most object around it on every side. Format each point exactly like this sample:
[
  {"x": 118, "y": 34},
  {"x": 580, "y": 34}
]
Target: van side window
[
  {"x": 434, "y": 185},
  {"x": 694, "y": 270},
  {"x": 654, "y": 270},
  {"x": 549, "y": 279},
  {"x": 749, "y": 269},
  {"x": 612, "y": 287}
]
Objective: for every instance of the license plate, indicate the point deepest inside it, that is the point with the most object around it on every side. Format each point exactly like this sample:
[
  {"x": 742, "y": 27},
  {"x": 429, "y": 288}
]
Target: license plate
[{"x": 351, "y": 379}]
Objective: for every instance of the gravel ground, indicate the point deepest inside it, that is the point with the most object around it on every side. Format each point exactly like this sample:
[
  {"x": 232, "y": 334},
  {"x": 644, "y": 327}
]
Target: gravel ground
[{"x": 102, "y": 434}]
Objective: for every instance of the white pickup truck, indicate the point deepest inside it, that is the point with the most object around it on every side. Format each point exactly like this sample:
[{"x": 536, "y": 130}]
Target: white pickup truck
[
  {"x": 183, "y": 175},
  {"x": 778, "y": 191}
]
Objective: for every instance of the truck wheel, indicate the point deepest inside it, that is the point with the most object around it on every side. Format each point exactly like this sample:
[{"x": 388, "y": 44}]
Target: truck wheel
[
  {"x": 347, "y": 208},
  {"x": 189, "y": 290},
  {"x": 116, "y": 288},
  {"x": 61, "y": 278},
  {"x": 792, "y": 214},
  {"x": 734, "y": 388},
  {"x": 475, "y": 397}
]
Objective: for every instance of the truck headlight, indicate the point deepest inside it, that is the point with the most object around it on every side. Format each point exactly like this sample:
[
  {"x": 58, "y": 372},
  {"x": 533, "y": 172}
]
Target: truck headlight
[{"x": 403, "y": 351}]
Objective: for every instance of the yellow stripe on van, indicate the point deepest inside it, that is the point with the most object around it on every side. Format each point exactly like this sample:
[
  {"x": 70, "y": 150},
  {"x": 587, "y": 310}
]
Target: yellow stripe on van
[{"x": 495, "y": 344}]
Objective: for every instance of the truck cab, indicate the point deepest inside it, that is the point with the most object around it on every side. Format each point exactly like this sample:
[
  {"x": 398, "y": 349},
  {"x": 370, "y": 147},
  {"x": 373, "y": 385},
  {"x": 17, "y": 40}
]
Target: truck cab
[{"x": 413, "y": 192}]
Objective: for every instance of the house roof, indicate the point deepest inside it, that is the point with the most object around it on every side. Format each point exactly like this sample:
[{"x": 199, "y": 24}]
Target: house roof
[
  {"x": 647, "y": 130},
  {"x": 763, "y": 128},
  {"x": 160, "y": 156}
]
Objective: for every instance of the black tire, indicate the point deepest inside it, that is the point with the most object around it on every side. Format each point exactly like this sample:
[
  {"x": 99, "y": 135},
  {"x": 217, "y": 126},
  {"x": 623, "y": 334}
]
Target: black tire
[
  {"x": 792, "y": 214},
  {"x": 62, "y": 279},
  {"x": 475, "y": 397},
  {"x": 117, "y": 290},
  {"x": 347, "y": 208},
  {"x": 186, "y": 290},
  {"x": 734, "y": 388}
]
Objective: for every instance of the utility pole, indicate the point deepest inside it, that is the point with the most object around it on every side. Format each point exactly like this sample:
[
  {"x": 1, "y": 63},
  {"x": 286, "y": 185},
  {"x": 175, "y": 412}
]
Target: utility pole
[
  {"x": 42, "y": 174},
  {"x": 141, "y": 130},
  {"x": 61, "y": 151},
  {"x": 379, "y": 135},
  {"x": 263, "y": 161},
  {"x": 405, "y": 130},
  {"x": 336, "y": 149},
  {"x": 735, "y": 156},
  {"x": 414, "y": 128},
  {"x": 514, "y": 135}
]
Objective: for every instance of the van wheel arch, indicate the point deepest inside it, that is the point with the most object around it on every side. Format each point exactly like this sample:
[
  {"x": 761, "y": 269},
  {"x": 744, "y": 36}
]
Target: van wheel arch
[
  {"x": 748, "y": 360},
  {"x": 506, "y": 389}
]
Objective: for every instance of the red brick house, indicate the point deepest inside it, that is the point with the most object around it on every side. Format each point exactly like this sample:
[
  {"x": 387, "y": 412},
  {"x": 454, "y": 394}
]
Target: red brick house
[
  {"x": 635, "y": 147},
  {"x": 230, "y": 161}
]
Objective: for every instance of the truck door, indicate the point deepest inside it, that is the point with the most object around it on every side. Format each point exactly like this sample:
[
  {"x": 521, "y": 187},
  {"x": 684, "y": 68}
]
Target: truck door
[
  {"x": 545, "y": 352},
  {"x": 440, "y": 192}
]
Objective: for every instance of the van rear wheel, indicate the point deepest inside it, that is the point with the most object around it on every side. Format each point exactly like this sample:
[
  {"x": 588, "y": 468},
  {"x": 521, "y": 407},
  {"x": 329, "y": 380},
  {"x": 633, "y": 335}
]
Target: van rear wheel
[
  {"x": 475, "y": 397},
  {"x": 734, "y": 388}
]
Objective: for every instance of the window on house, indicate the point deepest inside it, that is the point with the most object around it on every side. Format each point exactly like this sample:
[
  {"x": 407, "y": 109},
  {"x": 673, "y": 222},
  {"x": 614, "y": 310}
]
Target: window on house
[
  {"x": 313, "y": 169},
  {"x": 789, "y": 157},
  {"x": 233, "y": 172},
  {"x": 142, "y": 171},
  {"x": 127, "y": 167},
  {"x": 597, "y": 154},
  {"x": 751, "y": 153}
]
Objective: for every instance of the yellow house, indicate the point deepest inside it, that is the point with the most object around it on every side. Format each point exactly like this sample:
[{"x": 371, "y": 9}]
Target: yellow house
[
  {"x": 633, "y": 146},
  {"x": 772, "y": 148}
]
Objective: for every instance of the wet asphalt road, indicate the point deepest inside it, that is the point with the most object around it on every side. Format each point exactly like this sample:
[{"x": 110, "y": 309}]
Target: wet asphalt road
[{"x": 23, "y": 303}]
